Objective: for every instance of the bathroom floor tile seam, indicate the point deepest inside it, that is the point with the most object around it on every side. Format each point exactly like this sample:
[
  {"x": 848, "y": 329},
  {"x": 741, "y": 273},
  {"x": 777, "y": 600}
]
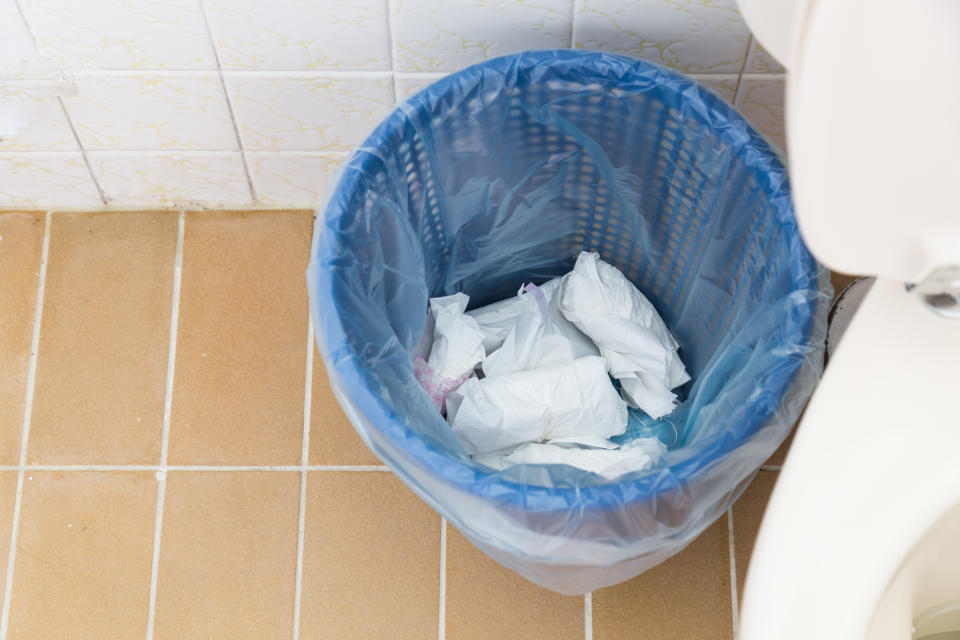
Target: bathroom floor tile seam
[
  {"x": 161, "y": 469},
  {"x": 23, "y": 468}
]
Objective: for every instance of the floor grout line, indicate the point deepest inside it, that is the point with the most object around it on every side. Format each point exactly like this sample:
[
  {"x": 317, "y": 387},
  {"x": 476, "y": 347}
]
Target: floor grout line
[
  {"x": 357, "y": 467},
  {"x": 172, "y": 347},
  {"x": 25, "y": 426},
  {"x": 442, "y": 600},
  {"x": 83, "y": 467},
  {"x": 298, "y": 580},
  {"x": 304, "y": 460},
  {"x": 155, "y": 558},
  {"x": 161, "y": 473},
  {"x": 307, "y": 396},
  {"x": 734, "y": 599},
  {"x": 588, "y": 616}
]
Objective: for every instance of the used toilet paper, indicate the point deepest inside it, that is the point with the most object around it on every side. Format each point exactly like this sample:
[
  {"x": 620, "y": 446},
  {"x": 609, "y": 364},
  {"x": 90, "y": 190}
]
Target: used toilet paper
[
  {"x": 527, "y": 380},
  {"x": 539, "y": 337},
  {"x": 497, "y": 319},
  {"x": 608, "y": 461},
  {"x": 456, "y": 350},
  {"x": 635, "y": 343},
  {"x": 570, "y": 400}
]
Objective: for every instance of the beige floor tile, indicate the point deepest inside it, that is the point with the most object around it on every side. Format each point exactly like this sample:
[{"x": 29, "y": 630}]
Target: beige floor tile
[
  {"x": 486, "y": 600},
  {"x": 747, "y": 514},
  {"x": 84, "y": 555},
  {"x": 333, "y": 440},
  {"x": 241, "y": 349},
  {"x": 686, "y": 597},
  {"x": 228, "y": 555},
  {"x": 8, "y": 493},
  {"x": 21, "y": 240},
  {"x": 371, "y": 559},
  {"x": 104, "y": 338},
  {"x": 840, "y": 281}
]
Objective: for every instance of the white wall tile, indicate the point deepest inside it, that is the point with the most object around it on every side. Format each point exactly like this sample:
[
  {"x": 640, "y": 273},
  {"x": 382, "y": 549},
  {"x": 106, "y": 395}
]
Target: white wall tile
[
  {"x": 122, "y": 34},
  {"x": 759, "y": 60},
  {"x": 761, "y": 100},
  {"x": 410, "y": 83},
  {"x": 445, "y": 35},
  {"x": 159, "y": 110},
  {"x": 193, "y": 179},
  {"x": 15, "y": 41},
  {"x": 313, "y": 112},
  {"x": 40, "y": 119},
  {"x": 38, "y": 180},
  {"x": 292, "y": 178},
  {"x": 300, "y": 34},
  {"x": 692, "y": 36},
  {"x": 724, "y": 85},
  {"x": 308, "y": 79}
]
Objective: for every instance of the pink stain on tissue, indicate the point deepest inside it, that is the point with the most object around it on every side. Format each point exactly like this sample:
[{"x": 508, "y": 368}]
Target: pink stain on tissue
[{"x": 436, "y": 386}]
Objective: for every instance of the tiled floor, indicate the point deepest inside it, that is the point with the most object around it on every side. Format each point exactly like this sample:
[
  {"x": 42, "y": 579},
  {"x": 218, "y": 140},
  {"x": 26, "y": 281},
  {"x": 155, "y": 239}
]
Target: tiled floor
[{"x": 173, "y": 464}]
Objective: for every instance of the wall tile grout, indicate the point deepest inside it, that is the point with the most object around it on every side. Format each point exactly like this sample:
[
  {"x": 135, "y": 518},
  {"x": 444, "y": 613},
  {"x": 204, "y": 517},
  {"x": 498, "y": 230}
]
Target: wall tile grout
[
  {"x": 25, "y": 427},
  {"x": 743, "y": 66},
  {"x": 304, "y": 460},
  {"x": 588, "y": 616},
  {"x": 573, "y": 17},
  {"x": 335, "y": 73},
  {"x": 178, "y": 151},
  {"x": 751, "y": 49},
  {"x": 260, "y": 207},
  {"x": 26, "y": 23},
  {"x": 83, "y": 151},
  {"x": 198, "y": 468},
  {"x": 161, "y": 473},
  {"x": 442, "y": 590},
  {"x": 331, "y": 72},
  {"x": 393, "y": 56},
  {"x": 734, "y": 604},
  {"x": 63, "y": 106},
  {"x": 764, "y": 76},
  {"x": 226, "y": 96}
]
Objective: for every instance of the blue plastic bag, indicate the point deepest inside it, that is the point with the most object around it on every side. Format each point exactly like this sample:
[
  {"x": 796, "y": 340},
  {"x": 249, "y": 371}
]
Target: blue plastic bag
[{"x": 501, "y": 174}]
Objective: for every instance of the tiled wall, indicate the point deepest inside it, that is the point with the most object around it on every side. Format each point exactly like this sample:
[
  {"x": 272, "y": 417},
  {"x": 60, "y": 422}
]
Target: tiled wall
[{"x": 255, "y": 102}]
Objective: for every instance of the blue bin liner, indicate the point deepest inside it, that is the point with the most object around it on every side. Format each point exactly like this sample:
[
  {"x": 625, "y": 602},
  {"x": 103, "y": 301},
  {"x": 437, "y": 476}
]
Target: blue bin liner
[{"x": 502, "y": 173}]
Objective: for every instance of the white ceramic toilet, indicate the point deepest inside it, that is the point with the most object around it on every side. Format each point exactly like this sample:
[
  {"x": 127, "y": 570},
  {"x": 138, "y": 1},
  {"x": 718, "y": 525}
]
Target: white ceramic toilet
[{"x": 861, "y": 538}]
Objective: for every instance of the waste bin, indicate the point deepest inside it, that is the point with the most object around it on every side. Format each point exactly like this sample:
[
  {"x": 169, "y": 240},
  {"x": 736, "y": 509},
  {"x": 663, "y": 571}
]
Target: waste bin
[{"x": 501, "y": 174}]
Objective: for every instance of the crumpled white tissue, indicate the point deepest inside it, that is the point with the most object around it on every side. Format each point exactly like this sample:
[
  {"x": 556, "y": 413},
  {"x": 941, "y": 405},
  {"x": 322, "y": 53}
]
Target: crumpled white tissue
[
  {"x": 608, "y": 461},
  {"x": 540, "y": 337},
  {"x": 456, "y": 350},
  {"x": 639, "y": 349},
  {"x": 575, "y": 399},
  {"x": 497, "y": 319}
]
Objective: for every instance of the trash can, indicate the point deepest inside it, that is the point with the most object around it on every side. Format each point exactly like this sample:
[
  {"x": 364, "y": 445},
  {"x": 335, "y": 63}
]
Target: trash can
[{"x": 501, "y": 174}]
